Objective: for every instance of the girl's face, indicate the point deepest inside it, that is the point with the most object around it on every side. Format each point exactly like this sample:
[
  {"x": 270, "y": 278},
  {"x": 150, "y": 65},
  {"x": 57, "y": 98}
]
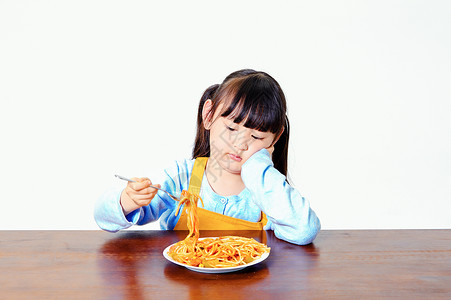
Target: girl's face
[{"x": 232, "y": 144}]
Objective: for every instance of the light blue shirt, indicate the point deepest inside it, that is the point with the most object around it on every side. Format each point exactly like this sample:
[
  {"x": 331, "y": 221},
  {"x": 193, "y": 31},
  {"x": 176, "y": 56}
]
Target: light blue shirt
[{"x": 289, "y": 214}]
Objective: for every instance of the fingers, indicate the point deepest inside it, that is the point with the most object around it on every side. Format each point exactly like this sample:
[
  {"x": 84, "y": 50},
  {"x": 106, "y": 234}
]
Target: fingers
[
  {"x": 140, "y": 191},
  {"x": 270, "y": 149},
  {"x": 153, "y": 190},
  {"x": 140, "y": 199},
  {"x": 146, "y": 191},
  {"x": 140, "y": 183},
  {"x": 145, "y": 187},
  {"x": 137, "y": 194}
]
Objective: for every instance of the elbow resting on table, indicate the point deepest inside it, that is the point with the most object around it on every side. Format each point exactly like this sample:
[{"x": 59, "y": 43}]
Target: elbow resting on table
[
  {"x": 105, "y": 221},
  {"x": 304, "y": 236},
  {"x": 106, "y": 226}
]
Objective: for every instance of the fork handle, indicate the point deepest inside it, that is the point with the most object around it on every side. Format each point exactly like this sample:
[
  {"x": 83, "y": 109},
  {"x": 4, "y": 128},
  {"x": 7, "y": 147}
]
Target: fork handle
[
  {"x": 124, "y": 178},
  {"x": 130, "y": 180}
]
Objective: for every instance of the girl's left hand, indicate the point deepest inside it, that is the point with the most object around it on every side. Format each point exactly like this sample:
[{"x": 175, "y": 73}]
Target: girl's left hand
[{"x": 270, "y": 150}]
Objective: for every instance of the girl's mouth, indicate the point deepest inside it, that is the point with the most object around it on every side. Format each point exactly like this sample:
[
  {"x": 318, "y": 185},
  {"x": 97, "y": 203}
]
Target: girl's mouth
[{"x": 235, "y": 157}]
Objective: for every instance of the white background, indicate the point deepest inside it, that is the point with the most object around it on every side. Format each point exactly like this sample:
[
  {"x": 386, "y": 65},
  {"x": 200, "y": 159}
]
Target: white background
[{"x": 89, "y": 89}]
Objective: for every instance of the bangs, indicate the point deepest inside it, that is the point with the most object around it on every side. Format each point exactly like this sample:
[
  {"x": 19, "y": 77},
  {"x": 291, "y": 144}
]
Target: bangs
[{"x": 254, "y": 100}]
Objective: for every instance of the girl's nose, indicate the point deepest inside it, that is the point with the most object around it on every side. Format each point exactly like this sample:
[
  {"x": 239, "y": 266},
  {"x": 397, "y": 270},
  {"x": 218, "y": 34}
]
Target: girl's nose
[{"x": 242, "y": 145}]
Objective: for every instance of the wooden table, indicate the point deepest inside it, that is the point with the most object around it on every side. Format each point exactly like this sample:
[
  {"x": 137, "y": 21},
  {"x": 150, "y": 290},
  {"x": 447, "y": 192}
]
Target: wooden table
[{"x": 129, "y": 265}]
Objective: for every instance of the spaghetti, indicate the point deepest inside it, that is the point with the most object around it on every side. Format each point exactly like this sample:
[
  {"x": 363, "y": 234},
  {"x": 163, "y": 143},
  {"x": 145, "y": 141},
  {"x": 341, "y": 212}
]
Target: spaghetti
[{"x": 222, "y": 252}]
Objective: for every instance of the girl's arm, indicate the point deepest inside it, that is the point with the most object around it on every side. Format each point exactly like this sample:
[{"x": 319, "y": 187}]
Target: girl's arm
[
  {"x": 289, "y": 213},
  {"x": 110, "y": 216}
]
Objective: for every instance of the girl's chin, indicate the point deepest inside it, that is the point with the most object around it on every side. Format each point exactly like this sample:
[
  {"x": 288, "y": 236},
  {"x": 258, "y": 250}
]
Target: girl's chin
[
  {"x": 229, "y": 164},
  {"x": 232, "y": 166}
]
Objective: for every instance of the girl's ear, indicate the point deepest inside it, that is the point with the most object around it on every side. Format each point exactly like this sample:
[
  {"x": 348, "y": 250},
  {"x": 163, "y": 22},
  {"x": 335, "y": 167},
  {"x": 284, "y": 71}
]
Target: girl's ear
[
  {"x": 206, "y": 114},
  {"x": 278, "y": 137}
]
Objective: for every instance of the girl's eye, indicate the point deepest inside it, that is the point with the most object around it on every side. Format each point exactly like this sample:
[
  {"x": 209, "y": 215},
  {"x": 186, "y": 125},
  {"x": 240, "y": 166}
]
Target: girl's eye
[
  {"x": 256, "y": 137},
  {"x": 230, "y": 128}
]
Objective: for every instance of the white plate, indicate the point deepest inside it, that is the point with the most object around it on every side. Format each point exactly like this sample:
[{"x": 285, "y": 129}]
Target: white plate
[{"x": 213, "y": 270}]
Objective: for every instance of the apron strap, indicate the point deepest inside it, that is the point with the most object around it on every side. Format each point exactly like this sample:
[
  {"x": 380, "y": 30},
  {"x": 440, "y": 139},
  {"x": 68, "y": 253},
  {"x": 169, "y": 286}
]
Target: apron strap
[
  {"x": 210, "y": 220},
  {"x": 195, "y": 181}
]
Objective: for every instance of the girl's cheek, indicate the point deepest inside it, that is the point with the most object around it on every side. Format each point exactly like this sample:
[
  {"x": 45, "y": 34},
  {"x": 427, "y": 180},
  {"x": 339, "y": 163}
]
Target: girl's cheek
[{"x": 253, "y": 151}]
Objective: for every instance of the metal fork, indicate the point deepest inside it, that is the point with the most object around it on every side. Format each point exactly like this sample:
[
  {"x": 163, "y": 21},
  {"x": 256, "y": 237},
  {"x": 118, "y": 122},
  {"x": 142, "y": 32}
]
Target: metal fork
[{"x": 127, "y": 179}]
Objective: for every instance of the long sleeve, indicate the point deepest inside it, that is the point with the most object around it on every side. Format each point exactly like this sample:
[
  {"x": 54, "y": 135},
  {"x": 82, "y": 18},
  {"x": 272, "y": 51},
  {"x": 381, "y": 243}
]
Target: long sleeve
[
  {"x": 108, "y": 212},
  {"x": 109, "y": 215},
  {"x": 289, "y": 214}
]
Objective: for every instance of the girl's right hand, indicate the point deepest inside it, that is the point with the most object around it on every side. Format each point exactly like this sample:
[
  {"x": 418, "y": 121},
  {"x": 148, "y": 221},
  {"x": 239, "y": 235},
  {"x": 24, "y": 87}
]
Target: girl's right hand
[{"x": 137, "y": 194}]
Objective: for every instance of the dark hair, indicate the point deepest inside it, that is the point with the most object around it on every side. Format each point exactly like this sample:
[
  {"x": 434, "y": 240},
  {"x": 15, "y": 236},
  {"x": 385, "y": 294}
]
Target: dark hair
[{"x": 254, "y": 97}]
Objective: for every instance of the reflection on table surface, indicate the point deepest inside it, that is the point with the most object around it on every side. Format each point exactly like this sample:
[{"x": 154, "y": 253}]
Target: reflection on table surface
[{"x": 140, "y": 270}]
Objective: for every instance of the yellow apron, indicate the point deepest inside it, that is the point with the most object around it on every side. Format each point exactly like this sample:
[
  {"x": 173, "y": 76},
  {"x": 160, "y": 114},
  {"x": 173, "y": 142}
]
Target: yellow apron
[{"x": 209, "y": 220}]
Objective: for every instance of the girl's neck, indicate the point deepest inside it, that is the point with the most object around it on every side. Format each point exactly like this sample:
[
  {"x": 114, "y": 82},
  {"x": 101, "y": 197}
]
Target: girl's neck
[{"x": 222, "y": 182}]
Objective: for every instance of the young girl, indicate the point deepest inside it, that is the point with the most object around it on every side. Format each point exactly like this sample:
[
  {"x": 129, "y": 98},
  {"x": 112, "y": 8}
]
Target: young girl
[{"x": 239, "y": 169}]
